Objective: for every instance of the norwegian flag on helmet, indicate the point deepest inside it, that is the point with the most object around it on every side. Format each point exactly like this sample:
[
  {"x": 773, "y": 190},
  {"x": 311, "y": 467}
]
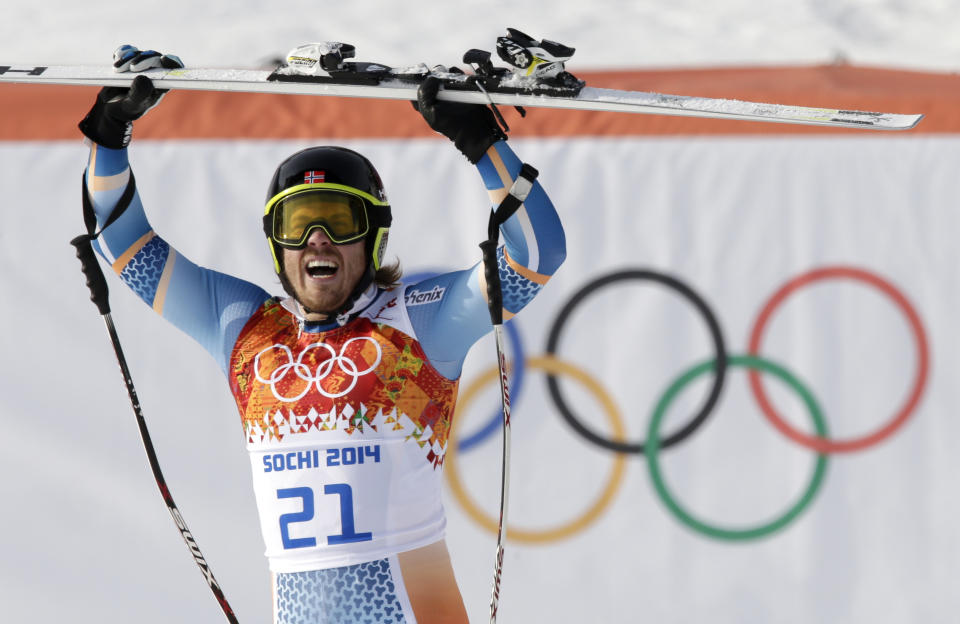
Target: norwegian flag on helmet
[{"x": 313, "y": 177}]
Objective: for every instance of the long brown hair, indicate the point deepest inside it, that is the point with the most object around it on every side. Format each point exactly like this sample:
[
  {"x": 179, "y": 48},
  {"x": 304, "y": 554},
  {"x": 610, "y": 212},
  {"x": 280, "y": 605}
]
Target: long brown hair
[{"x": 388, "y": 276}]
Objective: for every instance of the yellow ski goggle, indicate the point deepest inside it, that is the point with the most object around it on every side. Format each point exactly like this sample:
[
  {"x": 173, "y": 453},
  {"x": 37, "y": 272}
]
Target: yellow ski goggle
[{"x": 340, "y": 211}]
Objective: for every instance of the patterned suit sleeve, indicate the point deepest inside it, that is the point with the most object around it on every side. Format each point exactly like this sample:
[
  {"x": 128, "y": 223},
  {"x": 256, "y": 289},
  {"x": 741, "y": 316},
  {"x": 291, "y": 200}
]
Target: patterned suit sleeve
[
  {"x": 534, "y": 248},
  {"x": 210, "y": 307}
]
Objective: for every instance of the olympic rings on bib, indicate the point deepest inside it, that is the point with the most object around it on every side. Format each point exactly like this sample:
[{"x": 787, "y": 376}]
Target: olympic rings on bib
[
  {"x": 556, "y": 367},
  {"x": 311, "y": 377}
]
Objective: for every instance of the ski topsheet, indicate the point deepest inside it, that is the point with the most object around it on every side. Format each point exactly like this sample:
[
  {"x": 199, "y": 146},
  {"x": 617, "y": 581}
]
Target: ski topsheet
[{"x": 368, "y": 80}]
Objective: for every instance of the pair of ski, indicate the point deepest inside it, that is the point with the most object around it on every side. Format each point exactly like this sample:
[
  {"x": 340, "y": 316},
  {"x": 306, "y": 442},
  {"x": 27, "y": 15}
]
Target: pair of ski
[{"x": 535, "y": 77}]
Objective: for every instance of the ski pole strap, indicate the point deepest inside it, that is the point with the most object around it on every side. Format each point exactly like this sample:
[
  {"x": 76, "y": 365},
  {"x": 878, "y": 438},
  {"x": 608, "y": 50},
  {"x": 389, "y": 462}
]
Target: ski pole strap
[
  {"x": 510, "y": 204},
  {"x": 96, "y": 282},
  {"x": 90, "y": 217}
]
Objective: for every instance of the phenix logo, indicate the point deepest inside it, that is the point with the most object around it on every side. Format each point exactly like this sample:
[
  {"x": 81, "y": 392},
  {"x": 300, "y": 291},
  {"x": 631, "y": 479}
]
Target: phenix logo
[{"x": 415, "y": 297}]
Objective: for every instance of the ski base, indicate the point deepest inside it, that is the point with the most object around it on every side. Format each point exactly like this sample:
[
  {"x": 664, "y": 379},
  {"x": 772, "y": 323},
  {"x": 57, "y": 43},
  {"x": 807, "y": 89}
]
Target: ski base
[{"x": 511, "y": 90}]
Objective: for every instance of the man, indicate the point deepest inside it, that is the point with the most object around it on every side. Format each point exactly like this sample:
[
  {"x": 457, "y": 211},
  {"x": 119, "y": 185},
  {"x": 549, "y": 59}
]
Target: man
[{"x": 346, "y": 387}]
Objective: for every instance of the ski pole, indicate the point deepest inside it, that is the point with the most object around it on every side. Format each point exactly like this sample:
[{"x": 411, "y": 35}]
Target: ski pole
[
  {"x": 495, "y": 300},
  {"x": 97, "y": 284},
  {"x": 514, "y": 199}
]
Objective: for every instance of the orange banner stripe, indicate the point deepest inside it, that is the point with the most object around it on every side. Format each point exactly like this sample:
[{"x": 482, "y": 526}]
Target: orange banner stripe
[{"x": 33, "y": 112}]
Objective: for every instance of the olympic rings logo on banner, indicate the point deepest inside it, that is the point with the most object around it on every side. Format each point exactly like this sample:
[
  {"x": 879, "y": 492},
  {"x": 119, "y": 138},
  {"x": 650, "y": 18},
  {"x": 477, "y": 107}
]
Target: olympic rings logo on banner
[
  {"x": 550, "y": 365},
  {"x": 311, "y": 377},
  {"x": 656, "y": 442}
]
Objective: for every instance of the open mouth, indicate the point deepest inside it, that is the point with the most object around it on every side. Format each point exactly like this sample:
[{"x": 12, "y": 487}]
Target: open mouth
[{"x": 321, "y": 268}]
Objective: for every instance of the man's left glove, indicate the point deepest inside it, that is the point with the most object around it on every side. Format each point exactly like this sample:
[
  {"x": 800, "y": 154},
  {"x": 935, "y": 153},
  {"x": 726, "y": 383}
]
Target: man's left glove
[
  {"x": 471, "y": 127},
  {"x": 110, "y": 122}
]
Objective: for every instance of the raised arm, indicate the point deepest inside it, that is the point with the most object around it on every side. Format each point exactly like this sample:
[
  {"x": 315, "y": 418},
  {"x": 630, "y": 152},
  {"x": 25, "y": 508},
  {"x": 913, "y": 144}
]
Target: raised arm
[
  {"x": 209, "y": 306},
  {"x": 534, "y": 247}
]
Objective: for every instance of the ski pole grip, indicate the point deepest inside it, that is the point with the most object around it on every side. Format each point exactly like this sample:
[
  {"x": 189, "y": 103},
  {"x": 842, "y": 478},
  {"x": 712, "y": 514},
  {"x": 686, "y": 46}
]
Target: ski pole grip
[
  {"x": 492, "y": 274},
  {"x": 96, "y": 282}
]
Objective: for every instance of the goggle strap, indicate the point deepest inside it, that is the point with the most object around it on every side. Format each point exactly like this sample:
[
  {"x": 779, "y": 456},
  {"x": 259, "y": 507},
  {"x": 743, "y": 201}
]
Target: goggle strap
[
  {"x": 276, "y": 260},
  {"x": 380, "y": 247}
]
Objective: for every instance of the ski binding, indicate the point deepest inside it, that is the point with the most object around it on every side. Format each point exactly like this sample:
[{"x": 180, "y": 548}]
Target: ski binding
[{"x": 535, "y": 76}]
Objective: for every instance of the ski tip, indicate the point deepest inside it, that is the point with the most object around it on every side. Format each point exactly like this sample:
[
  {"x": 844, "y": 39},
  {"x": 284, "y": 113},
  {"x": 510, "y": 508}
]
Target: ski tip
[
  {"x": 902, "y": 122},
  {"x": 874, "y": 121}
]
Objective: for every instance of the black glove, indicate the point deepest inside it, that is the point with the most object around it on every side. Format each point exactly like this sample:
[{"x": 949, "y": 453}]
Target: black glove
[
  {"x": 471, "y": 127},
  {"x": 110, "y": 122}
]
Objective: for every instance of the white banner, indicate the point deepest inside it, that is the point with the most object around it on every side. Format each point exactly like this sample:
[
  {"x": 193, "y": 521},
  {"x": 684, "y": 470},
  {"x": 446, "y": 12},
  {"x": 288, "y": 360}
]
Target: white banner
[{"x": 829, "y": 264}]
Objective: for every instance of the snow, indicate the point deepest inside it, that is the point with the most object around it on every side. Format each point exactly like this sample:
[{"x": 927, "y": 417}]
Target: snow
[{"x": 917, "y": 34}]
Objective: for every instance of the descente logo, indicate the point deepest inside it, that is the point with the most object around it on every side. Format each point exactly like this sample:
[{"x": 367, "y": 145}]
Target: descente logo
[{"x": 415, "y": 297}]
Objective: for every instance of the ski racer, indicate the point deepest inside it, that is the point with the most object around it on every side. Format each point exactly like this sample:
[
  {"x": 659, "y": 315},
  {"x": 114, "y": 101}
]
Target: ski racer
[{"x": 345, "y": 386}]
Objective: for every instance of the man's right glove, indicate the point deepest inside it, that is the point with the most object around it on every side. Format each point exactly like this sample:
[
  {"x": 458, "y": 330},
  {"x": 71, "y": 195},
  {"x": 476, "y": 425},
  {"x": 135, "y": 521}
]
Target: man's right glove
[
  {"x": 471, "y": 127},
  {"x": 110, "y": 122}
]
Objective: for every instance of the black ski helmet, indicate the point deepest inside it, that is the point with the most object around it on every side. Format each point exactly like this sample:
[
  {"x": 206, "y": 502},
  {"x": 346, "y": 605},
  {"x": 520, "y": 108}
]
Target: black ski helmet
[{"x": 341, "y": 169}]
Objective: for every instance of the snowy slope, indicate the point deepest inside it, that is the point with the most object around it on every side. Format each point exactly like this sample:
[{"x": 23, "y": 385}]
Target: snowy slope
[{"x": 606, "y": 33}]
